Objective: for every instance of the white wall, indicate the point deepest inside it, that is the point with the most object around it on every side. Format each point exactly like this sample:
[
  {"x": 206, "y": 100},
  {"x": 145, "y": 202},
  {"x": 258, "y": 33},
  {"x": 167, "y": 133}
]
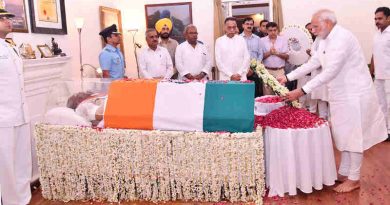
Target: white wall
[
  {"x": 357, "y": 16},
  {"x": 91, "y": 42},
  {"x": 133, "y": 16}
]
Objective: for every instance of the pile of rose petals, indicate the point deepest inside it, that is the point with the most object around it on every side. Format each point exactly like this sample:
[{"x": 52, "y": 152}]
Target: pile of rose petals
[
  {"x": 289, "y": 117},
  {"x": 270, "y": 99}
]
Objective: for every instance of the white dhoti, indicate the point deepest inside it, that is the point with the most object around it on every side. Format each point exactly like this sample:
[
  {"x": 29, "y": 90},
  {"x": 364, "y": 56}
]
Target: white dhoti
[
  {"x": 15, "y": 164},
  {"x": 383, "y": 91},
  {"x": 357, "y": 121}
]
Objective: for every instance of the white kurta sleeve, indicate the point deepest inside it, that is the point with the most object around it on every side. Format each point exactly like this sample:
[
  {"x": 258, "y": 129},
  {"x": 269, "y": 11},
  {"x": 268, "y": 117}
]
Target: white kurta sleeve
[
  {"x": 180, "y": 61},
  {"x": 337, "y": 53},
  {"x": 312, "y": 64},
  {"x": 142, "y": 65},
  {"x": 246, "y": 61},
  {"x": 207, "y": 67},
  {"x": 218, "y": 58},
  {"x": 169, "y": 65}
]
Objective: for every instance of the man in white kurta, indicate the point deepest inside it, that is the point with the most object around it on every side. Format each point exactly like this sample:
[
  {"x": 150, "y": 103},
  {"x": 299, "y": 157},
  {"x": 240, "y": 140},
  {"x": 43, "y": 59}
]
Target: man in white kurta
[
  {"x": 154, "y": 61},
  {"x": 15, "y": 141},
  {"x": 380, "y": 62},
  {"x": 356, "y": 119},
  {"x": 231, "y": 53},
  {"x": 193, "y": 60}
]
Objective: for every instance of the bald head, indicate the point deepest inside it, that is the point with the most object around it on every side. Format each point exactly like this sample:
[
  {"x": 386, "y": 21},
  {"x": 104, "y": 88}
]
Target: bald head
[{"x": 323, "y": 22}]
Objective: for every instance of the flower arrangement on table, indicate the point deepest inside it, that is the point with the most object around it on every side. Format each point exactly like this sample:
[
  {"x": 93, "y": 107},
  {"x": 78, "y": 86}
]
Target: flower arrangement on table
[
  {"x": 271, "y": 81},
  {"x": 288, "y": 117}
]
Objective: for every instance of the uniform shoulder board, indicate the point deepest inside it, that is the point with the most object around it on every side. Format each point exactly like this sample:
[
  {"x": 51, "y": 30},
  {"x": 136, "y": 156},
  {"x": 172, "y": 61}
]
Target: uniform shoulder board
[
  {"x": 108, "y": 50},
  {"x": 10, "y": 42},
  {"x": 200, "y": 42}
]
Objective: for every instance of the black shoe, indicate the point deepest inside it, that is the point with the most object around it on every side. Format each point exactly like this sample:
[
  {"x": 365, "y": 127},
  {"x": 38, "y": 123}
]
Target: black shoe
[{"x": 388, "y": 137}]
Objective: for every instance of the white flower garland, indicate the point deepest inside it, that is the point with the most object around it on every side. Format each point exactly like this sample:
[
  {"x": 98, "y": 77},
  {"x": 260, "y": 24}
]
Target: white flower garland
[
  {"x": 271, "y": 81},
  {"x": 115, "y": 164}
]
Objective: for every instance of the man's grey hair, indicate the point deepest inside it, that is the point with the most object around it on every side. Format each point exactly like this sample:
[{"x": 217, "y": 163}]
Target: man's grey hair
[
  {"x": 326, "y": 14},
  {"x": 149, "y": 30},
  {"x": 188, "y": 27}
]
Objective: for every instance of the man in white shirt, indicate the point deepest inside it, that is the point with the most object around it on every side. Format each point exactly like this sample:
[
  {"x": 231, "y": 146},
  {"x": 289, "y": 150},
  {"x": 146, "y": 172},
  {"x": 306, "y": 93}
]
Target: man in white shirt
[
  {"x": 356, "y": 118},
  {"x": 15, "y": 140},
  {"x": 231, "y": 53},
  {"x": 192, "y": 57},
  {"x": 380, "y": 61},
  {"x": 275, "y": 54},
  {"x": 154, "y": 61}
]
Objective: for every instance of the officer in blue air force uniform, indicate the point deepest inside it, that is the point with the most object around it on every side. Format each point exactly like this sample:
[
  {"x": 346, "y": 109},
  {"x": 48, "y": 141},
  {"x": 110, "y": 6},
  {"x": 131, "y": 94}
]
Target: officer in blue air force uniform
[
  {"x": 111, "y": 58},
  {"x": 15, "y": 140}
]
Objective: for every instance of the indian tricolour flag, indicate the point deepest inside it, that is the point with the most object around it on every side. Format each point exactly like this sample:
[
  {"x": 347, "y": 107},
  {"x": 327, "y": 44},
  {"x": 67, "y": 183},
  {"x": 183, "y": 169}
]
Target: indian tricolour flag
[{"x": 194, "y": 106}]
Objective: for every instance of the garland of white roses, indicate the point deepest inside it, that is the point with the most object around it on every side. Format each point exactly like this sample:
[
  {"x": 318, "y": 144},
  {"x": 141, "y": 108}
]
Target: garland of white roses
[
  {"x": 271, "y": 81},
  {"x": 80, "y": 163}
]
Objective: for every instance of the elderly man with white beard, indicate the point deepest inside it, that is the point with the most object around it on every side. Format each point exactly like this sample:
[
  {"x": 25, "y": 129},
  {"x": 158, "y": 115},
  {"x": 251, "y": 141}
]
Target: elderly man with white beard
[{"x": 356, "y": 119}]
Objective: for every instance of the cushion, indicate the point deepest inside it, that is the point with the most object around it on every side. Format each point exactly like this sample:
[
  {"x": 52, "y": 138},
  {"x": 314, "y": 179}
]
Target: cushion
[{"x": 64, "y": 116}]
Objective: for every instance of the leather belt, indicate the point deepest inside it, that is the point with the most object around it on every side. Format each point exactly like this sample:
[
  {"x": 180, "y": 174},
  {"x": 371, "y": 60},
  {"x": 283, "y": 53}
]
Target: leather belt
[{"x": 271, "y": 68}]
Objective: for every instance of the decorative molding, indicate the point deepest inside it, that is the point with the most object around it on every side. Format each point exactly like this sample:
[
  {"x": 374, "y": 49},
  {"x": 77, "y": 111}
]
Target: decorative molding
[{"x": 45, "y": 61}]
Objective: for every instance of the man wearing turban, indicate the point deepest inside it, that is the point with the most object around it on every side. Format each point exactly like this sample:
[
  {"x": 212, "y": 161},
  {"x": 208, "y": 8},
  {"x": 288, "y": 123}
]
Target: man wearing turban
[{"x": 164, "y": 28}]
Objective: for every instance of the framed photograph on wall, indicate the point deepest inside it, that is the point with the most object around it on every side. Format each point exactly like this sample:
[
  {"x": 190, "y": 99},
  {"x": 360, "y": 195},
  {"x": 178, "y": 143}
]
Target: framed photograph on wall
[
  {"x": 179, "y": 13},
  {"x": 109, "y": 16},
  {"x": 19, "y": 22},
  {"x": 48, "y": 16}
]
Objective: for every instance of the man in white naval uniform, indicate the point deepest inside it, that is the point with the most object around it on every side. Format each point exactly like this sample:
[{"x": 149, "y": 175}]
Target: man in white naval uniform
[
  {"x": 231, "y": 53},
  {"x": 15, "y": 142},
  {"x": 356, "y": 118}
]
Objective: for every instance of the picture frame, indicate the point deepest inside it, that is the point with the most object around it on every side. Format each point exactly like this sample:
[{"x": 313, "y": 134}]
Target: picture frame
[
  {"x": 45, "y": 51},
  {"x": 179, "y": 13},
  {"x": 18, "y": 8},
  {"x": 109, "y": 16},
  {"x": 48, "y": 17}
]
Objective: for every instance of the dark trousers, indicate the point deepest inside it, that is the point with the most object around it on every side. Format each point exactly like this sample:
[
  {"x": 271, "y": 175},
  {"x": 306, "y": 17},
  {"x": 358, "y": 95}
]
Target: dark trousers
[
  {"x": 258, "y": 84},
  {"x": 292, "y": 85}
]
